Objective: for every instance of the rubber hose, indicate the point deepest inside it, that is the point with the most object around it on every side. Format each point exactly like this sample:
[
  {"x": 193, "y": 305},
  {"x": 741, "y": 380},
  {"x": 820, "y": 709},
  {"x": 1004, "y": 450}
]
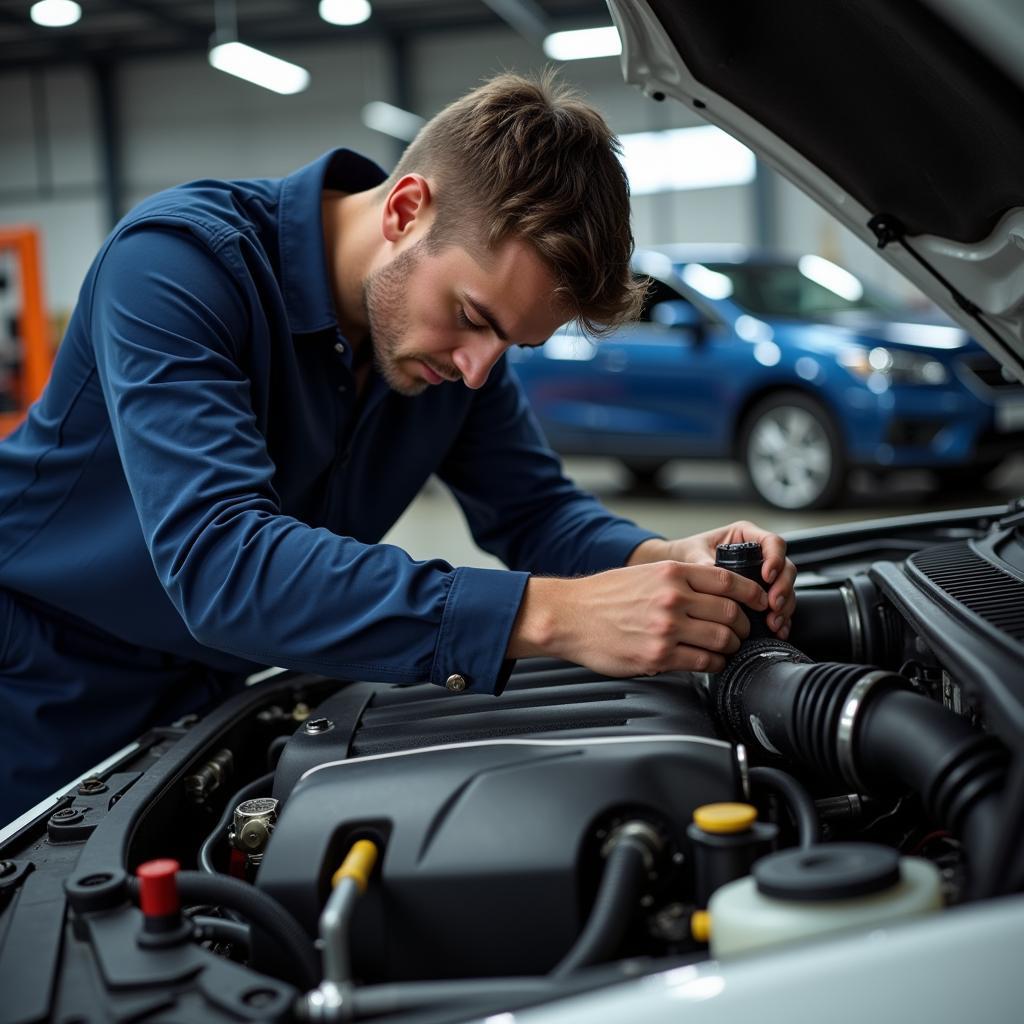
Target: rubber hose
[
  {"x": 797, "y": 799},
  {"x": 958, "y": 771},
  {"x": 245, "y": 793},
  {"x": 220, "y": 929},
  {"x": 771, "y": 697},
  {"x": 938, "y": 754},
  {"x": 821, "y": 627},
  {"x": 616, "y": 897},
  {"x": 295, "y": 954},
  {"x": 375, "y": 1000}
]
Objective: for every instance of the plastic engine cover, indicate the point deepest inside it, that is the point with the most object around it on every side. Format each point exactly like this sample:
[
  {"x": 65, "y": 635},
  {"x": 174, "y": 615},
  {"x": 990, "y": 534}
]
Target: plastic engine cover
[{"x": 491, "y": 846}]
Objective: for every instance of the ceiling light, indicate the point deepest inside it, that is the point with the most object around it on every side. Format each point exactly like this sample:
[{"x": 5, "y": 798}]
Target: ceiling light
[
  {"x": 583, "y": 43},
  {"x": 345, "y": 12},
  {"x": 708, "y": 282},
  {"x": 55, "y": 13},
  {"x": 835, "y": 279},
  {"x": 259, "y": 68},
  {"x": 684, "y": 158},
  {"x": 391, "y": 120}
]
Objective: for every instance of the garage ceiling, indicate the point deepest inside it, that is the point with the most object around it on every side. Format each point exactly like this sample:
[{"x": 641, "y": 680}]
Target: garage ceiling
[{"x": 131, "y": 29}]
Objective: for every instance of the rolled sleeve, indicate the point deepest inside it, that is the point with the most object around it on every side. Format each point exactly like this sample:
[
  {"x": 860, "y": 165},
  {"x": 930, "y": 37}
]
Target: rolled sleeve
[
  {"x": 611, "y": 546},
  {"x": 478, "y": 618}
]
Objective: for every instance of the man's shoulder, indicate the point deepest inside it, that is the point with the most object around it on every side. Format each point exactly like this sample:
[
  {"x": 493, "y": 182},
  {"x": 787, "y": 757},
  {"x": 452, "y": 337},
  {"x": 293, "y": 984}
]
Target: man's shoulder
[{"x": 209, "y": 208}]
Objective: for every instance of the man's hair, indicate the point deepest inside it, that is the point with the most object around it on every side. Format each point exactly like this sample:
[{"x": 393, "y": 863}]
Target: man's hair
[{"x": 527, "y": 158}]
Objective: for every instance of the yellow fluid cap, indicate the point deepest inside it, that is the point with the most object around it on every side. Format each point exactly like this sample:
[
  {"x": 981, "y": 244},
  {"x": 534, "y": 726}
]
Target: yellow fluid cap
[
  {"x": 725, "y": 818},
  {"x": 358, "y": 865},
  {"x": 700, "y": 926}
]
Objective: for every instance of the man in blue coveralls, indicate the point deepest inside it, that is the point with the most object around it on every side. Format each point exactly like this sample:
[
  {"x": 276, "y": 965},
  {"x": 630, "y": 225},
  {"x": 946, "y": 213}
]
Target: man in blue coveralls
[{"x": 258, "y": 378}]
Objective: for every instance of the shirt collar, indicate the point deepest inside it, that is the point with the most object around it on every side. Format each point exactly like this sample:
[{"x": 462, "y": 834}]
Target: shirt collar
[{"x": 305, "y": 282}]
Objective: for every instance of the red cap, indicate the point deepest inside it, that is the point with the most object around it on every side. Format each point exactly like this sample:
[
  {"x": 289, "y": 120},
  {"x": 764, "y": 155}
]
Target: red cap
[{"x": 158, "y": 887}]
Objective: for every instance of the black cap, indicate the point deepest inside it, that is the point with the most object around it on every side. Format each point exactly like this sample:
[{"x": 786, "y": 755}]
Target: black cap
[
  {"x": 836, "y": 871},
  {"x": 739, "y": 556}
]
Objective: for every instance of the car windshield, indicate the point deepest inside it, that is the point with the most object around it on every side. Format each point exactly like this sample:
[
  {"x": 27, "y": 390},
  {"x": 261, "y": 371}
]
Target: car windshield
[{"x": 808, "y": 289}]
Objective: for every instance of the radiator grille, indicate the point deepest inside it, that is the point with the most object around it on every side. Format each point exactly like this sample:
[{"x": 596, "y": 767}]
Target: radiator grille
[{"x": 982, "y": 588}]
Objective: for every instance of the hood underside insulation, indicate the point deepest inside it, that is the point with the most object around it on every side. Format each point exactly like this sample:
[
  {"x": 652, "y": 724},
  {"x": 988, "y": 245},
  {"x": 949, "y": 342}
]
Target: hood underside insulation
[{"x": 883, "y": 97}]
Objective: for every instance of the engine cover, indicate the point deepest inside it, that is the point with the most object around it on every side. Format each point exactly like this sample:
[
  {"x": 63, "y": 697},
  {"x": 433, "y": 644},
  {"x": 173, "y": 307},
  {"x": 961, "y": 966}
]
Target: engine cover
[{"x": 491, "y": 844}]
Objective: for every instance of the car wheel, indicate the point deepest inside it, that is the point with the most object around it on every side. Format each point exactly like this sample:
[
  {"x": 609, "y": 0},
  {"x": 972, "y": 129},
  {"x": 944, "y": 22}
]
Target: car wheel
[
  {"x": 644, "y": 473},
  {"x": 972, "y": 478},
  {"x": 792, "y": 453}
]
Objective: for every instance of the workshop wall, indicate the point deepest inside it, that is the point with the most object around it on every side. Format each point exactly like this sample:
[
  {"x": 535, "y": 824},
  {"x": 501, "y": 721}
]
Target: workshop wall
[{"x": 180, "y": 119}]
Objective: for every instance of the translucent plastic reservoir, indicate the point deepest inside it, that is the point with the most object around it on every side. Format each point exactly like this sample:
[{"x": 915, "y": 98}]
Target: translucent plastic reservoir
[{"x": 744, "y": 919}]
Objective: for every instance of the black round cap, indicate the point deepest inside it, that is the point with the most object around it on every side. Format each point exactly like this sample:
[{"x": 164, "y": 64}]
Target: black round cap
[
  {"x": 97, "y": 890},
  {"x": 739, "y": 556},
  {"x": 833, "y": 871}
]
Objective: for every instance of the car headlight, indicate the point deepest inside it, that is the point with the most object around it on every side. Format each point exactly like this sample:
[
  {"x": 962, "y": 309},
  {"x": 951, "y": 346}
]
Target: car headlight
[{"x": 893, "y": 366}]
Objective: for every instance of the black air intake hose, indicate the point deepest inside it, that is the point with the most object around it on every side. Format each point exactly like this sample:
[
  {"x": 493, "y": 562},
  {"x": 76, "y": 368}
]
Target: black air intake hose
[
  {"x": 849, "y": 622},
  {"x": 860, "y": 725}
]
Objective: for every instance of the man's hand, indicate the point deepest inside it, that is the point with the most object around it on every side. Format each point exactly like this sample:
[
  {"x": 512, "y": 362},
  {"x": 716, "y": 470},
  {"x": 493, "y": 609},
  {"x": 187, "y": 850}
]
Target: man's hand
[
  {"x": 640, "y": 620},
  {"x": 699, "y": 549}
]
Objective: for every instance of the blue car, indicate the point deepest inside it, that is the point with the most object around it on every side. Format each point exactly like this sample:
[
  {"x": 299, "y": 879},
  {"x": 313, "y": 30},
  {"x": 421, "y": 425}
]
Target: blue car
[{"x": 793, "y": 367}]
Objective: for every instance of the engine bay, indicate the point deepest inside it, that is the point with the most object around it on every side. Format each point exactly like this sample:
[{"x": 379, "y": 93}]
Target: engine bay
[{"x": 328, "y": 850}]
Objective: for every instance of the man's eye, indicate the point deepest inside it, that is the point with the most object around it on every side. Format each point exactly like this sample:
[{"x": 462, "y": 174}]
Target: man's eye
[{"x": 464, "y": 321}]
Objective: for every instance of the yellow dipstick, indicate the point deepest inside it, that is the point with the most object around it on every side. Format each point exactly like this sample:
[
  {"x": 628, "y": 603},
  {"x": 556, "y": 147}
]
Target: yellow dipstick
[{"x": 358, "y": 865}]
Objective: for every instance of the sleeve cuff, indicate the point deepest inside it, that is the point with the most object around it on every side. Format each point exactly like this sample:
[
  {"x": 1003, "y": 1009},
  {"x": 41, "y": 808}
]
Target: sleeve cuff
[{"x": 479, "y": 613}]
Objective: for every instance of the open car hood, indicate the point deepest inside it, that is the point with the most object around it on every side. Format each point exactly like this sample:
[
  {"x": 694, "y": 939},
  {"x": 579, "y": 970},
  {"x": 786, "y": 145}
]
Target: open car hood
[{"x": 904, "y": 120}]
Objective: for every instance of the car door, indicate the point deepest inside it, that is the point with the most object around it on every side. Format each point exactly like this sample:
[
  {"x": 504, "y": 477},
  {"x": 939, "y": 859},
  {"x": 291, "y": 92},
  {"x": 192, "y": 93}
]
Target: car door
[{"x": 658, "y": 382}]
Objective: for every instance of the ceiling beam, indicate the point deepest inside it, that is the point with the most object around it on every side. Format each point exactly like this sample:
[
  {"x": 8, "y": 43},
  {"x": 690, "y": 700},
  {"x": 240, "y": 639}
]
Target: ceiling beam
[
  {"x": 166, "y": 18},
  {"x": 527, "y": 17}
]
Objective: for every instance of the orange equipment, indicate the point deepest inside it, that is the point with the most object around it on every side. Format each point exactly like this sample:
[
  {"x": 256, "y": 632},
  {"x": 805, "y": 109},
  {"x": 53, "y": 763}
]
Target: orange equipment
[{"x": 36, "y": 356}]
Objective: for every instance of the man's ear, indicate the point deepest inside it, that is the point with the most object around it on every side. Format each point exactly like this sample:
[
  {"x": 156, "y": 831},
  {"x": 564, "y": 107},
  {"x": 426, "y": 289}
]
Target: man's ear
[{"x": 408, "y": 208}]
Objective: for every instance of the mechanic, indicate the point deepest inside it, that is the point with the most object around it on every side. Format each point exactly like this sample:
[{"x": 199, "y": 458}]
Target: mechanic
[{"x": 258, "y": 378}]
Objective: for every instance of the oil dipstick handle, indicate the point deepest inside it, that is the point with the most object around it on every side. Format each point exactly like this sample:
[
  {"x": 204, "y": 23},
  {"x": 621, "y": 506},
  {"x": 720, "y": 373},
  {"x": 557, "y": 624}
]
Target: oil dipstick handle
[{"x": 745, "y": 559}]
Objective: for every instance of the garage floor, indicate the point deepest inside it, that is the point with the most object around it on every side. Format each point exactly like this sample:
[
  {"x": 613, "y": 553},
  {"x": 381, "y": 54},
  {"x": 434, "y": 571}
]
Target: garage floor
[{"x": 696, "y": 496}]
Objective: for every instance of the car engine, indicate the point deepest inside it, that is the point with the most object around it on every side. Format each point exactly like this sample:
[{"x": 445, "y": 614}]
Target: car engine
[{"x": 316, "y": 849}]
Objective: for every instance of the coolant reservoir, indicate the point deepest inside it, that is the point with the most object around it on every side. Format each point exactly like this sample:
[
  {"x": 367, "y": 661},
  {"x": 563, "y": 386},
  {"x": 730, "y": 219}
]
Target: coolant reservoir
[{"x": 796, "y": 894}]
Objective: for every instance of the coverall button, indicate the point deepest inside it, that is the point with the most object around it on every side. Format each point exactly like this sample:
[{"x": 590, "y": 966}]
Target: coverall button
[
  {"x": 456, "y": 683},
  {"x": 339, "y": 347}
]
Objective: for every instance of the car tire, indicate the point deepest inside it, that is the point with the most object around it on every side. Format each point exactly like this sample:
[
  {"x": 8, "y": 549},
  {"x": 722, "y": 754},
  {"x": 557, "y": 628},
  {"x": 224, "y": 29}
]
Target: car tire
[
  {"x": 644, "y": 474},
  {"x": 792, "y": 453},
  {"x": 972, "y": 478}
]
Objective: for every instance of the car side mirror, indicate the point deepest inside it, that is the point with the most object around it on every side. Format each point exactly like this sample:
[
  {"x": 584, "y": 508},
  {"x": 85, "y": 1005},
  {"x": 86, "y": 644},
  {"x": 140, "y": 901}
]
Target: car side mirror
[{"x": 677, "y": 313}]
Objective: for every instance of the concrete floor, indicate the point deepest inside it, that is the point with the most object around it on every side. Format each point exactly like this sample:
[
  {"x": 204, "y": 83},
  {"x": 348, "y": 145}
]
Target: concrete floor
[{"x": 695, "y": 496}]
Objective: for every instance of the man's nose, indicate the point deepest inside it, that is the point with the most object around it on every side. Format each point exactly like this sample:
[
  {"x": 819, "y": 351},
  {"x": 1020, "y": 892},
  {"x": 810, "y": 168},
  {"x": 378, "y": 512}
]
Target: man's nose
[{"x": 475, "y": 359}]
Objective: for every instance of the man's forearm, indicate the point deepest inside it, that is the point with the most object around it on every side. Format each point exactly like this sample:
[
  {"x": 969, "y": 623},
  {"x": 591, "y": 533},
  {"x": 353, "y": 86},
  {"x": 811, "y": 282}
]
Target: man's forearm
[{"x": 652, "y": 550}]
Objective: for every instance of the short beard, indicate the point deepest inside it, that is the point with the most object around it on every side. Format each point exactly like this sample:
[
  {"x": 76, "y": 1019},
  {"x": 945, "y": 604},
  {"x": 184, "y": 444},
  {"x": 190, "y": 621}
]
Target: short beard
[{"x": 385, "y": 297}]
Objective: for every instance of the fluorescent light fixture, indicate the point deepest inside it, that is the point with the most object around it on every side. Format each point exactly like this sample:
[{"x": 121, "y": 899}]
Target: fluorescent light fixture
[
  {"x": 749, "y": 328},
  {"x": 259, "y": 68},
  {"x": 708, "y": 282},
  {"x": 838, "y": 281},
  {"x": 345, "y": 12},
  {"x": 55, "y": 13},
  {"x": 569, "y": 345},
  {"x": 928, "y": 335},
  {"x": 685, "y": 158},
  {"x": 391, "y": 120},
  {"x": 583, "y": 43}
]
